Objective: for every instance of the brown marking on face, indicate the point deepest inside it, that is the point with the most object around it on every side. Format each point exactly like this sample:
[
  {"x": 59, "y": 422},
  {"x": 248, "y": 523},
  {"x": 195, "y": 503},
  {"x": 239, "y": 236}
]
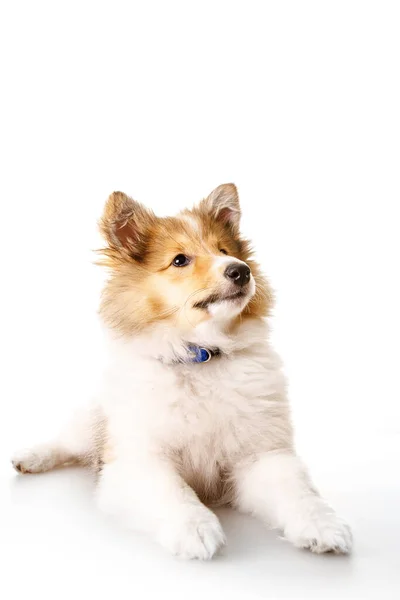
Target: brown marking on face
[{"x": 145, "y": 288}]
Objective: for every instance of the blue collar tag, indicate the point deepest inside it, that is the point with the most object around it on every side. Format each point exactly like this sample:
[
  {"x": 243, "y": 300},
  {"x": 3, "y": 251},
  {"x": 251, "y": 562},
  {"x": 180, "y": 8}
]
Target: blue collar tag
[{"x": 199, "y": 355}]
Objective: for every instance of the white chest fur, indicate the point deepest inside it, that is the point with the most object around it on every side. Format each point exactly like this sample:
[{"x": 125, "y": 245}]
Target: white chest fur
[{"x": 205, "y": 415}]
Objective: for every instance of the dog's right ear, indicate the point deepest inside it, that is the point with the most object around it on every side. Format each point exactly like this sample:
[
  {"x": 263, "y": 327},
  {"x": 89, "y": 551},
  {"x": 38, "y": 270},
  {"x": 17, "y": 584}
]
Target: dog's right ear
[
  {"x": 223, "y": 205},
  {"x": 125, "y": 224}
]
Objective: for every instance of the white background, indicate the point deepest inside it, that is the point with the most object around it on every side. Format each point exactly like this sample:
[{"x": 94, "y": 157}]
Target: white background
[{"x": 298, "y": 103}]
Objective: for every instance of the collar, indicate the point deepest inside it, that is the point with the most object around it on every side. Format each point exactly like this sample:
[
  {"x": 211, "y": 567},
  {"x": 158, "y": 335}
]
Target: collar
[{"x": 198, "y": 354}]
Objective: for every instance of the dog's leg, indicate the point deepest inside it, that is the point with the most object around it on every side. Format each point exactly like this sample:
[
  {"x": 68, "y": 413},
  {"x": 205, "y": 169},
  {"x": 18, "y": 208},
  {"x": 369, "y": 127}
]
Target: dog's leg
[
  {"x": 277, "y": 488},
  {"x": 41, "y": 458},
  {"x": 149, "y": 495},
  {"x": 74, "y": 444}
]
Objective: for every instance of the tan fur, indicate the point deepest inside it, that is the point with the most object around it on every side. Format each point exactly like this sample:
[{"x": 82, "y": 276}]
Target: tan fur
[{"x": 144, "y": 288}]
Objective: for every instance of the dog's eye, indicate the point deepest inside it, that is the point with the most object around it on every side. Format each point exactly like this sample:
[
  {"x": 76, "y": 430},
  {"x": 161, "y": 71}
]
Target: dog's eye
[
  {"x": 223, "y": 251},
  {"x": 181, "y": 260}
]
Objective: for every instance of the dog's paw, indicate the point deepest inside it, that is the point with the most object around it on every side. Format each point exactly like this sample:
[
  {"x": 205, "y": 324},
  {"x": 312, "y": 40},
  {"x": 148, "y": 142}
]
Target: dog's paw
[
  {"x": 321, "y": 533},
  {"x": 34, "y": 460},
  {"x": 197, "y": 535}
]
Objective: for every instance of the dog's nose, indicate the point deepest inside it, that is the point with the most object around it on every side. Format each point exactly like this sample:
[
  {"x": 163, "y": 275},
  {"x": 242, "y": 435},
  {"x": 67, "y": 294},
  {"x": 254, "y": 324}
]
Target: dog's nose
[{"x": 238, "y": 273}]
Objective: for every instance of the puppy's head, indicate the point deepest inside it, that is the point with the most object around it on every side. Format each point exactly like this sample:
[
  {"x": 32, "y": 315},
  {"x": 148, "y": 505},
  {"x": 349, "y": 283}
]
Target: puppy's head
[{"x": 181, "y": 270}]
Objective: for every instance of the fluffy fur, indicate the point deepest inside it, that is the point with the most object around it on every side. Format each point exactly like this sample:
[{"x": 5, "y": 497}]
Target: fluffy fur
[{"x": 169, "y": 437}]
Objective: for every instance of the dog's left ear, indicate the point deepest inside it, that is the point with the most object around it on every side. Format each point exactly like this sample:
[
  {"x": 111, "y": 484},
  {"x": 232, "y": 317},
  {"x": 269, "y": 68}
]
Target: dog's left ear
[{"x": 223, "y": 204}]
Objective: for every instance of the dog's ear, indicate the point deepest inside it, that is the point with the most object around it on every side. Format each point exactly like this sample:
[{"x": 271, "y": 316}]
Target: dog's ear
[
  {"x": 223, "y": 205},
  {"x": 125, "y": 224}
]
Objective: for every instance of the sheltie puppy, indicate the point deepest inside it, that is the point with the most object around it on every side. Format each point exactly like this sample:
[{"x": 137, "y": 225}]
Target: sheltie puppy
[{"x": 193, "y": 411}]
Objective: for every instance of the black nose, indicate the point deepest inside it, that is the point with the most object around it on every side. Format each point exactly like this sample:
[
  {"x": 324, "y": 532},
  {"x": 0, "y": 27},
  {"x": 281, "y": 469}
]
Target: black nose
[{"x": 238, "y": 273}]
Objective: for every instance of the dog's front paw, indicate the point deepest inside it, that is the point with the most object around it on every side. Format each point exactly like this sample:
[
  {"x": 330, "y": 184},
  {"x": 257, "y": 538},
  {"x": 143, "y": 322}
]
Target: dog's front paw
[
  {"x": 321, "y": 532},
  {"x": 198, "y": 534}
]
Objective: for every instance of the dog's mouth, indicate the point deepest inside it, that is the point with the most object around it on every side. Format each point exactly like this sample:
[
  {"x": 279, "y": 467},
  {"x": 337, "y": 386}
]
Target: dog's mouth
[{"x": 213, "y": 298}]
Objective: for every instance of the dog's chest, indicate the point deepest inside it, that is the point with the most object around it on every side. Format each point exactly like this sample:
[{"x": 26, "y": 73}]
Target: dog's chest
[
  {"x": 218, "y": 405},
  {"x": 227, "y": 400},
  {"x": 206, "y": 417}
]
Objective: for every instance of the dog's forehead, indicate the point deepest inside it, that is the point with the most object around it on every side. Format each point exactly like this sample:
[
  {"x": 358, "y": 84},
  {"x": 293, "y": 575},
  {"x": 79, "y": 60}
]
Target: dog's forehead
[{"x": 187, "y": 230}]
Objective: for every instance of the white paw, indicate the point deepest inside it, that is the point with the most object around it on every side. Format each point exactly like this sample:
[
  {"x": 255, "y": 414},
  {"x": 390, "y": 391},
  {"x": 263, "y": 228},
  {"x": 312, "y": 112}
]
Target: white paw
[
  {"x": 34, "y": 460},
  {"x": 197, "y": 535},
  {"x": 322, "y": 532}
]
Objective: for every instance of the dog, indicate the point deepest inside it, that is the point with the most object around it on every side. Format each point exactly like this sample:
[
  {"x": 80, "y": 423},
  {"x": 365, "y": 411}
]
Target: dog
[{"x": 193, "y": 412}]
